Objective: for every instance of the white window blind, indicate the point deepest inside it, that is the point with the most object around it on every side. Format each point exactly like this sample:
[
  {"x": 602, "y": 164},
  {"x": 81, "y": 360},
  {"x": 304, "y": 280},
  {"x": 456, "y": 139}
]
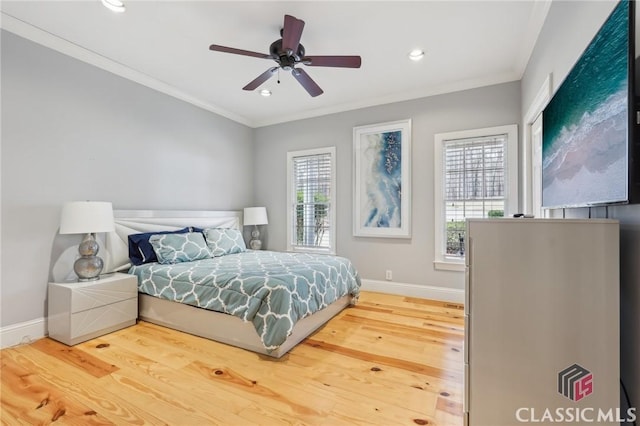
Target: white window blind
[
  {"x": 475, "y": 176},
  {"x": 474, "y": 185},
  {"x": 311, "y": 200}
]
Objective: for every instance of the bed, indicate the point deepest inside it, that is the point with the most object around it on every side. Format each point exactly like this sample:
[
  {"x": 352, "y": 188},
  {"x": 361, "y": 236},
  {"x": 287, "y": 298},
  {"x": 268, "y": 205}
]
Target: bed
[{"x": 262, "y": 301}]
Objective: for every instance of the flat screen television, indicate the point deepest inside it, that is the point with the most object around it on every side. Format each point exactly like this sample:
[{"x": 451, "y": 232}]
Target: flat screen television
[{"x": 588, "y": 126}]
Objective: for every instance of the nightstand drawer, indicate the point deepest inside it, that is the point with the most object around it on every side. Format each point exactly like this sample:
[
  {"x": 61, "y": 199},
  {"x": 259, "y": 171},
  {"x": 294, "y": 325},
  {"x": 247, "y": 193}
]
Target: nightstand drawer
[
  {"x": 104, "y": 292},
  {"x": 96, "y": 321},
  {"x": 79, "y": 311}
]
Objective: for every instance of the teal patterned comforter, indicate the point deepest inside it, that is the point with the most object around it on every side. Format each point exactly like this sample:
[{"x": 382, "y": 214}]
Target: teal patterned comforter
[{"x": 271, "y": 289}]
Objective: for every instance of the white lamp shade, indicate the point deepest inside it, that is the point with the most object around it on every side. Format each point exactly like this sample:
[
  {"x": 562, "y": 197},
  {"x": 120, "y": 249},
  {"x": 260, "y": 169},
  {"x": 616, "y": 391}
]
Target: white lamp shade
[
  {"x": 83, "y": 217},
  {"x": 255, "y": 216}
]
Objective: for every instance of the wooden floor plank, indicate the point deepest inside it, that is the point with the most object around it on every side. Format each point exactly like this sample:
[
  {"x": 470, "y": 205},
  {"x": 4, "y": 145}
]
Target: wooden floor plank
[
  {"x": 391, "y": 360},
  {"x": 32, "y": 400},
  {"x": 74, "y": 357},
  {"x": 386, "y": 360},
  {"x": 114, "y": 406}
]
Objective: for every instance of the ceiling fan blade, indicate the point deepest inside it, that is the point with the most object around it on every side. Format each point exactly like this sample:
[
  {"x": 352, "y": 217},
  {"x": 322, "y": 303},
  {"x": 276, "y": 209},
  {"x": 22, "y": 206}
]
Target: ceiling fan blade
[
  {"x": 225, "y": 49},
  {"x": 306, "y": 82},
  {"x": 291, "y": 33},
  {"x": 261, "y": 79},
  {"x": 333, "y": 61}
]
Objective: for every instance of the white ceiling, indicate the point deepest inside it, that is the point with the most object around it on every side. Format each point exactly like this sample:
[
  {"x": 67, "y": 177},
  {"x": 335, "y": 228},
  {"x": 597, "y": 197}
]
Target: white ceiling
[{"x": 165, "y": 45}]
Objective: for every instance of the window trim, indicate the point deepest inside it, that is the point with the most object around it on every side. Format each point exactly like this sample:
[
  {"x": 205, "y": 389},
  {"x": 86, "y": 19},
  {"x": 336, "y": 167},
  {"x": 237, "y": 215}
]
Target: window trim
[
  {"x": 441, "y": 261},
  {"x": 291, "y": 200}
]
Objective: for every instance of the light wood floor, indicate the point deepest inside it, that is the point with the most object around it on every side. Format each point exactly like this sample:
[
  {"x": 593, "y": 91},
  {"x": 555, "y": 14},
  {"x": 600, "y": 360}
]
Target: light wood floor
[{"x": 390, "y": 360}]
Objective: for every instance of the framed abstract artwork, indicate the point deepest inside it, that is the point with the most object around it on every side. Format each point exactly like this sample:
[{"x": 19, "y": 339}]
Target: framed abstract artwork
[{"x": 382, "y": 180}]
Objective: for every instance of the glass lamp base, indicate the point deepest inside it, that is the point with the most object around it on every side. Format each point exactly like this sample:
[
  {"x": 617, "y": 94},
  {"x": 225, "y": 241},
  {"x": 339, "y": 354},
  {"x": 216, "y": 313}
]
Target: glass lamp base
[
  {"x": 88, "y": 266},
  {"x": 255, "y": 242}
]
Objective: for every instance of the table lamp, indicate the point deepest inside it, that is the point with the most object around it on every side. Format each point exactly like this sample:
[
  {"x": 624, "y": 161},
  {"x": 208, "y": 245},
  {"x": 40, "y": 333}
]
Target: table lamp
[
  {"x": 87, "y": 217},
  {"x": 255, "y": 216}
]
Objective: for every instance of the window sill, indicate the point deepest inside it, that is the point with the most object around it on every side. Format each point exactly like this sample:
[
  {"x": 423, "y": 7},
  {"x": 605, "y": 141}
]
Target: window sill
[
  {"x": 296, "y": 249},
  {"x": 442, "y": 265}
]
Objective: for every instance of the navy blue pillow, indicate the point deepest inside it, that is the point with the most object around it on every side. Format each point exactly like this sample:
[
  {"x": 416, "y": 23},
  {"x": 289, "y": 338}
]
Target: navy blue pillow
[{"x": 140, "y": 249}]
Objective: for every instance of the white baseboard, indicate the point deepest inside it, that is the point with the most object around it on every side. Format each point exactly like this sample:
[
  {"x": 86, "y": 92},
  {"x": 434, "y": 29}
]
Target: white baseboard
[
  {"x": 24, "y": 332},
  {"x": 414, "y": 290}
]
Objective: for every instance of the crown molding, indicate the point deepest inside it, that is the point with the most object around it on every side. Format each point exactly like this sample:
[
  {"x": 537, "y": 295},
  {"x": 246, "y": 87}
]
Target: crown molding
[{"x": 44, "y": 38}]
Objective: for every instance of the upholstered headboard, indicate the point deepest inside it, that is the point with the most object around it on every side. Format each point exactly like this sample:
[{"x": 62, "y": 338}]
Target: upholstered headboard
[{"x": 135, "y": 221}]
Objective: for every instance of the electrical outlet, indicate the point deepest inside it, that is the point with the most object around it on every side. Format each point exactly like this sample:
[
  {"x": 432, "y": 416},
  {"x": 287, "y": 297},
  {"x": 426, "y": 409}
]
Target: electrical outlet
[{"x": 388, "y": 275}]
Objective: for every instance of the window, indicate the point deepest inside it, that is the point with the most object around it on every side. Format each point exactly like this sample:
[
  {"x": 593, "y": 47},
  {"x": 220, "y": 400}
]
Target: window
[
  {"x": 311, "y": 200},
  {"x": 476, "y": 177}
]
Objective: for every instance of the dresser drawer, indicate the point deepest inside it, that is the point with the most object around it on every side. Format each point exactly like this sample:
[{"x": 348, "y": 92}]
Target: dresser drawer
[{"x": 103, "y": 292}]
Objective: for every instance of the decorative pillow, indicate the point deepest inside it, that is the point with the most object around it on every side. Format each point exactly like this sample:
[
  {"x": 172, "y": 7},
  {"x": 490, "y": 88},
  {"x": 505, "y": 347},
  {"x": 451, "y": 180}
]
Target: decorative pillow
[
  {"x": 176, "y": 248},
  {"x": 141, "y": 251},
  {"x": 223, "y": 241}
]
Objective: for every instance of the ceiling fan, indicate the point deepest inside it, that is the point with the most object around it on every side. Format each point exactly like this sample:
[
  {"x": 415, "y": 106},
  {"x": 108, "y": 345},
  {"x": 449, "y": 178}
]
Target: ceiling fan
[{"x": 288, "y": 52}]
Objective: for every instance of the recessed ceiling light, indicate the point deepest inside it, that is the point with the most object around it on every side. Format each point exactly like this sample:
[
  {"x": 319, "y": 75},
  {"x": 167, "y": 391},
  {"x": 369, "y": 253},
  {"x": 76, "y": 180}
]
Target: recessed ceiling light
[
  {"x": 114, "y": 5},
  {"x": 265, "y": 92},
  {"x": 416, "y": 54}
]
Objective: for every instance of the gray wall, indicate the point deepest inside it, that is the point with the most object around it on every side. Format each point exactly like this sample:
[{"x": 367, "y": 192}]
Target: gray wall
[
  {"x": 567, "y": 30},
  {"x": 411, "y": 260},
  {"x": 71, "y": 131}
]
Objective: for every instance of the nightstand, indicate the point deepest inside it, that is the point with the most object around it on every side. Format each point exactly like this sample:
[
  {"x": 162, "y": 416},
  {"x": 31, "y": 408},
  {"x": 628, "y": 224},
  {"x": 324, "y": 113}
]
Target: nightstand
[{"x": 79, "y": 311}]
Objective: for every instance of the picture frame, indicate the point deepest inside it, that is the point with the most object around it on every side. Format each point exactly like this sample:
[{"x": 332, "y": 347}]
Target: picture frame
[{"x": 382, "y": 180}]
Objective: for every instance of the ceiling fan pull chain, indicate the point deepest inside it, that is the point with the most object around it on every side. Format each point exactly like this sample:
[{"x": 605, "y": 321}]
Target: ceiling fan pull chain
[{"x": 278, "y": 75}]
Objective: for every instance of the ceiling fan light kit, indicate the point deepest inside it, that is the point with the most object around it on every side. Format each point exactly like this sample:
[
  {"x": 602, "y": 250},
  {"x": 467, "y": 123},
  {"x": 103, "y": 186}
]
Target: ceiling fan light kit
[{"x": 287, "y": 52}]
